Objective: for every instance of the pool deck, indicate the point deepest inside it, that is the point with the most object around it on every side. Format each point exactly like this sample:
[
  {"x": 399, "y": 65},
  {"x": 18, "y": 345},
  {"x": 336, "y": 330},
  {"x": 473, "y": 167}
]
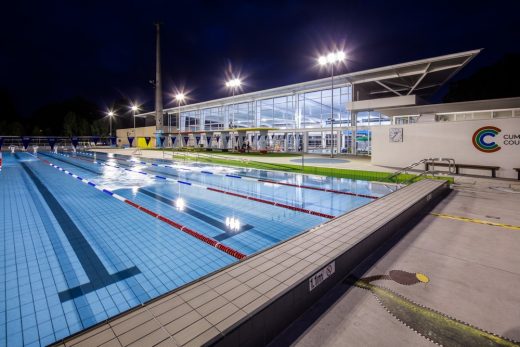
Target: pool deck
[
  {"x": 472, "y": 264},
  {"x": 250, "y": 302}
]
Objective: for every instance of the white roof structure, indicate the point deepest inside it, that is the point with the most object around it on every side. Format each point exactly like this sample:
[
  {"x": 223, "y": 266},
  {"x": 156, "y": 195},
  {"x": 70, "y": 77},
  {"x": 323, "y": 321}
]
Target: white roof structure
[{"x": 420, "y": 78}]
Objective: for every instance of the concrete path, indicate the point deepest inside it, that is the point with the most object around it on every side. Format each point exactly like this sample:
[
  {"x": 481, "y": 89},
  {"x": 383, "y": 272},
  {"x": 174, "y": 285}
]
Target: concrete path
[{"x": 473, "y": 271}]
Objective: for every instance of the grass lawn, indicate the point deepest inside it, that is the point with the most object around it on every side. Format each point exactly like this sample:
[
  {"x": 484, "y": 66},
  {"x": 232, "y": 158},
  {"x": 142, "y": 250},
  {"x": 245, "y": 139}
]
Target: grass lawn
[
  {"x": 314, "y": 170},
  {"x": 218, "y": 152},
  {"x": 257, "y": 154}
]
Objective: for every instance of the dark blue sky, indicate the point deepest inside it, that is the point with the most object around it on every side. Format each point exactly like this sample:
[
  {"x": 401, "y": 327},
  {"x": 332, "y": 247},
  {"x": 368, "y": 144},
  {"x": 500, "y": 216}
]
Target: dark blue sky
[{"x": 102, "y": 50}]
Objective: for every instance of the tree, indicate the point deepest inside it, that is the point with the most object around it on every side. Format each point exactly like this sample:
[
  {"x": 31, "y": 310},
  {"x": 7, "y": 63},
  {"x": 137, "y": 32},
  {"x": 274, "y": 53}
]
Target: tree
[
  {"x": 37, "y": 131},
  {"x": 52, "y": 117},
  {"x": 15, "y": 129},
  {"x": 74, "y": 125},
  {"x": 100, "y": 127}
]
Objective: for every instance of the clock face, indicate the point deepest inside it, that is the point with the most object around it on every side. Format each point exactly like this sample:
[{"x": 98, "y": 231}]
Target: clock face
[{"x": 396, "y": 134}]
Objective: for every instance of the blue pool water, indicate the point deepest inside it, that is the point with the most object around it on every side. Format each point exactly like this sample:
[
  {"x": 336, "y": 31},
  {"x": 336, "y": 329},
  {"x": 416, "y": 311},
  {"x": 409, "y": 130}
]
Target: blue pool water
[{"x": 73, "y": 256}]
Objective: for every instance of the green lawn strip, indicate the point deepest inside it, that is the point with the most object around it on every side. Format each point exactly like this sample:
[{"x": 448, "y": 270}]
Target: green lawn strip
[
  {"x": 314, "y": 170},
  {"x": 258, "y": 154},
  {"x": 218, "y": 152}
]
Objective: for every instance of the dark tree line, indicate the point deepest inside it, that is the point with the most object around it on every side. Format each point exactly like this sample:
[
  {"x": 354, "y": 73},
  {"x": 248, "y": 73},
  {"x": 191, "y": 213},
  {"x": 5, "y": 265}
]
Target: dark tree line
[{"x": 75, "y": 116}]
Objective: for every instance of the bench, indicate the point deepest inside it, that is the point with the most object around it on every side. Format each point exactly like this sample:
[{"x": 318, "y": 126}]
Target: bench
[
  {"x": 493, "y": 169},
  {"x": 517, "y": 169}
]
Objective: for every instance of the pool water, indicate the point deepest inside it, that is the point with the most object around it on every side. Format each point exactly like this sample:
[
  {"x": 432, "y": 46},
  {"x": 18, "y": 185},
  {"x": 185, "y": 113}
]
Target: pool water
[{"x": 73, "y": 255}]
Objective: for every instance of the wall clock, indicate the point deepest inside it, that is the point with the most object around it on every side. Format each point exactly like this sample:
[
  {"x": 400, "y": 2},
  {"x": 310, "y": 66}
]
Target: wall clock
[{"x": 396, "y": 134}]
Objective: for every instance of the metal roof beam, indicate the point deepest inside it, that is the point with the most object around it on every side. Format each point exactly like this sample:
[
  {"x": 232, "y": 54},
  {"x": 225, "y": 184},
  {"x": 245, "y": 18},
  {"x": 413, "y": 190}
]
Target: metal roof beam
[
  {"x": 387, "y": 87},
  {"x": 402, "y": 90},
  {"x": 420, "y": 79}
]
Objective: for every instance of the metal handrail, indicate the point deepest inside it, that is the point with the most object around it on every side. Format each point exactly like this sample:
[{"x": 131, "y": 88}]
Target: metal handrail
[
  {"x": 451, "y": 163},
  {"x": 409, "y": 167},
  {"x": 424, "y": 173},
  {"x": 431, "y": 163}
]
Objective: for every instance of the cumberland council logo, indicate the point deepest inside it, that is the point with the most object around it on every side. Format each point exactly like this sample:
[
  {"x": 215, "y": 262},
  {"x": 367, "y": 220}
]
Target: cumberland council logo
[{"x": 483, "y": 139}]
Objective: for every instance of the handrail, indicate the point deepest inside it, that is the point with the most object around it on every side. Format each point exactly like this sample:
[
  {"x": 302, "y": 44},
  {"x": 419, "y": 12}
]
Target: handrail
[
  {"x": 430, "y": 163},
  {"x": 409, "y": 167},
  {"x": 451, "y": 164}
]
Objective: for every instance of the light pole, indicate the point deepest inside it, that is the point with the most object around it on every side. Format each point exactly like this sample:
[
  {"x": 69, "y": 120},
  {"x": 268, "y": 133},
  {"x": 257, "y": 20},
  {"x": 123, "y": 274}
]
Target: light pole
[
  {"x": 134, "y": 109},
  {"x": 233, "y": 83},
  {"x": 111, "y": 115},
  {"x": 180, "y": 97},
  {"x": 331, "y": 59}
]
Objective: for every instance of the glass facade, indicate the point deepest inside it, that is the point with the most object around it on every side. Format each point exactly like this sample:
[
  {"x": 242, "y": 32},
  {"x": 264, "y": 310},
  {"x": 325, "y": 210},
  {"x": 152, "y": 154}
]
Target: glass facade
[
  {"x": 311, "y": 111},
  {"x": 298, "y": 111}
]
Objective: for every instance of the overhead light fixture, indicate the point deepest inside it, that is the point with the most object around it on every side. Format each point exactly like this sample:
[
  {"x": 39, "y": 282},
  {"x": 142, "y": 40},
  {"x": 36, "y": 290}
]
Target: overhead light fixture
[{"x": 235, "y": 82}]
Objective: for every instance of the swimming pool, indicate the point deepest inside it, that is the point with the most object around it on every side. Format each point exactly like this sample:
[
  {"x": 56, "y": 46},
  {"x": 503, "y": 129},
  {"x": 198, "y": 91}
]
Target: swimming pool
[{"x": 87, "y": 238}]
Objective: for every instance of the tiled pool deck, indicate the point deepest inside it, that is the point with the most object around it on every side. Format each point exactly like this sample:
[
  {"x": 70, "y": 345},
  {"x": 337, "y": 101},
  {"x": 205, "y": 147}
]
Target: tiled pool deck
[{"x": 218, "y": 308}]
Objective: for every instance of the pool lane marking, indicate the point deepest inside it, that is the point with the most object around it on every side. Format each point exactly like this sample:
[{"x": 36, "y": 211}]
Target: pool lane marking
[
  {"x": 320, "y": 189},
  {"x": 477, "y": 221},
  {"x": 334, "y": 191},
  {"x": 96, "y": 272},
  {"x": 247, "y": 197},
  {"x": 76, "y": 165},
  {"x": 294, "y": 208},
  {"x": 211, "y": 221},
  {"x": 166, "y": 220}
]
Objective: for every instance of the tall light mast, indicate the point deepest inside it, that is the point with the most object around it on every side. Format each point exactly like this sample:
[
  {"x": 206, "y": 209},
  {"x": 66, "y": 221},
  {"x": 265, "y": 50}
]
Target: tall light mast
[{"x": 158, "y": 85}]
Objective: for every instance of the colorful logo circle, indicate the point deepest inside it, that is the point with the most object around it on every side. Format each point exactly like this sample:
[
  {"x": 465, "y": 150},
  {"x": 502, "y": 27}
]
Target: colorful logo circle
[{"x": 481, "y": 139}]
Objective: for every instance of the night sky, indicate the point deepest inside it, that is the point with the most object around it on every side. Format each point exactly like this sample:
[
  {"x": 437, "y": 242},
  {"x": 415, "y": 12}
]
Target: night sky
[{"x": 104, "y": 50}]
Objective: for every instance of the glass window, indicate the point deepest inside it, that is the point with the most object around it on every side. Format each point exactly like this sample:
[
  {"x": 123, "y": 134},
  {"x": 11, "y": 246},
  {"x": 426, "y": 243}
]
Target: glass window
[
  {"x": 503, "y": 114},
  {"x": 266, "y": 108},
  {"x": 190, "y": 120},
  {"x": 400, "y": 120},
  {"x": 213, "y": 119},
  {"x": 305, "y": 110}
]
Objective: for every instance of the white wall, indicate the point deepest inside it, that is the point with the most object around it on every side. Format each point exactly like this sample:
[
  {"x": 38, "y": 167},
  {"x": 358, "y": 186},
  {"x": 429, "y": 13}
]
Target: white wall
[
  {"x": 448, "y": 140},
  {"x": 122, "y": 135}
]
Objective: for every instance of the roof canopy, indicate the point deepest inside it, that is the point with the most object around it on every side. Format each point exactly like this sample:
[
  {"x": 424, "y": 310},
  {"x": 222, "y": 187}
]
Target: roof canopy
[{"x": 420, "y": 77}]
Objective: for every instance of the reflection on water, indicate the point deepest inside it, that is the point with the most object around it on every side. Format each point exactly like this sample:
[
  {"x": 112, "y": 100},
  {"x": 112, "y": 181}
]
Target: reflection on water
[{"x": 114, "y": 178}]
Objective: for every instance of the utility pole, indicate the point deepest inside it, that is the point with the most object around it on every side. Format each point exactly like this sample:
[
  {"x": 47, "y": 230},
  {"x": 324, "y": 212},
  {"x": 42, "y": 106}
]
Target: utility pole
[{"x": 158, "y": 86}]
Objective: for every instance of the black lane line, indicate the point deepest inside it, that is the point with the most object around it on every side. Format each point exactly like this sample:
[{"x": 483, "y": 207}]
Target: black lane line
[
  {"x": 211, "y": 221},
  {"x": 219, "y": 237},
  {"x": 76, "y": 165},
  {"x": 96, "y": 272},
  {"x": 216, "y": 223}
]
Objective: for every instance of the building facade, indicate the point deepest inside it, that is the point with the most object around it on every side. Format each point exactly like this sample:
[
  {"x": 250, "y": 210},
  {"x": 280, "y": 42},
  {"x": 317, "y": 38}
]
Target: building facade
[{"x": 310, "y": 116}]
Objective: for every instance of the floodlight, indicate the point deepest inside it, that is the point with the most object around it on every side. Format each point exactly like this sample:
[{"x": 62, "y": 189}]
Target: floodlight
[{"x": 179, "y": 97}]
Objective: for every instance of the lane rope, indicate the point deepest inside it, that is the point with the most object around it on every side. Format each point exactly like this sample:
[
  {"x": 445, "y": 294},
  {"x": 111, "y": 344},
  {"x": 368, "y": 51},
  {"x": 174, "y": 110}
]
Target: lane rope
[
  {"x": 334, "y": 191},
  {"x": 185, "y": 229},
  {"x": 247, "y": 197}
]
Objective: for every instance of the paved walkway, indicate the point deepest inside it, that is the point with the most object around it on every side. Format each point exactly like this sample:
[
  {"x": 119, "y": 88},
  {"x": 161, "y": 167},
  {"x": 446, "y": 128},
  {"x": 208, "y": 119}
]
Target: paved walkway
[{"x": 473, "y": 271}]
